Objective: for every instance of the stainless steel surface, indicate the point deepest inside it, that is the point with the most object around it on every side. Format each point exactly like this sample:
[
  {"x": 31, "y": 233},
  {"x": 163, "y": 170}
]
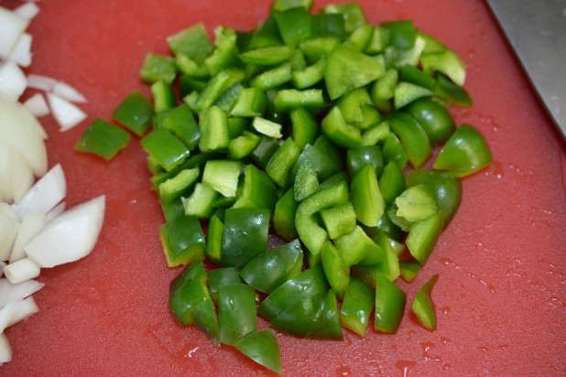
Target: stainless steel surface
[{"x": 537, "y": 31}]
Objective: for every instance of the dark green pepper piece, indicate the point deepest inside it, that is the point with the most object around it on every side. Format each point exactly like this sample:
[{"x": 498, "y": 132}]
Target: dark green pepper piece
[
  {"x": 413, "y": 138},
  {"x": 165, "y": 148},
  {"x": 295, "y": 25},
  {"x": 362, "y": 156},
  {"x": 305, "y": 127},
  {"x": 393, "y": 151},
  {"x": 158, "y": 68},
  {"x": 356, "y": 307},
  {"x": 236, "y": 312},
  {"x": 214, "y": 130},
  {"x": 423, "y": 307},
  {"x": 183, "y": 241},
  {"x": 134, "y": 113},
  {"x": 103, "y": 139},
  {"x": 339, "y": 220},
  {"x": 281, "y": 163},
  {"x": 221, "y": 277},
  {"x": 245, "y": 235},
  {"x": 181, "y": 122},
  {"x": 434, "y": 118},
  {"x": 366, "y": 197},
  {"x": 328, "y": 25},
  {"x": 357, "y": 248},
  {"x": 422, "y": 237},
  {"x": 451, "y": 93},
  {"x": 402, "y": 34},
  {"x": 284, "y": 216},
  {"x": 353, "y": 15},
  {"x": 389, "y": 305},
  {"x": 261, "y": 347},
  {"x": 391, "y": 182},
  {"x": 192, "y": 42},
  {"x": 413, "y": 75},
  {"x": 306, "y": 183},
  {"x": 336, "y": 270},
  {"x": 323, "y": 157},
  {"x": 336, "y": 129},
  {"x": 258, "y": 191},
  {"x": 264, "y": 151}
]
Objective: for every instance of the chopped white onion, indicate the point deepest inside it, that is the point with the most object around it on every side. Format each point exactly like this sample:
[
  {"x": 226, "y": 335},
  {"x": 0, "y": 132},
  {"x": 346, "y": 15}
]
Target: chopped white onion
[
  {"x": 49, "y": 191},
  {"x": 21, "y": 271},
  {"x": 21, "y": 130},
  {"x": 37, "y": 105},
  {"x": 15, "y": 292},
  {"x": 71, "y": 236},
  {"x": 55, "y": 212},
  {"x": 41, "y": 82},
  {"x": 11, "y": 27},
  {"x": 65, "y": 113},
  {"x": 16, "y": 176},
  {"x": 17, "y": 311},
  {"x": 67, "y": 92},
  {"x": 5, "y": 349},
  {"x": 27, "y": 11},
  {"x": 21, "y": 54},
  {"x": 12, "y": 81},
  {"x": 8, "y": 230},
  {"x": 30, "y": 227}
]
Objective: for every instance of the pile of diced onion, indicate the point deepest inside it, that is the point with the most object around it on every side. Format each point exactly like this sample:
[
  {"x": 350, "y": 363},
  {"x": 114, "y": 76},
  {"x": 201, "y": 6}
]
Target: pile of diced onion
[{"x": 36, "y": 231}]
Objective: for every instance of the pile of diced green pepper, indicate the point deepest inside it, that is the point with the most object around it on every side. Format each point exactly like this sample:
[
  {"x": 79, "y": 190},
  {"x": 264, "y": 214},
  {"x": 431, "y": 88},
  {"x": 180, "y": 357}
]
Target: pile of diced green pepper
[{"x": 315, "y": 128}]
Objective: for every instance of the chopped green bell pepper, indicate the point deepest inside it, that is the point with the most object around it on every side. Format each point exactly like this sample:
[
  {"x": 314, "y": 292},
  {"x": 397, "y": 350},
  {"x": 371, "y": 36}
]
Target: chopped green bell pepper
[
  {"x": 165, "y": 148},
  {"x": 182, "y": 241},
  {"x": 413, "y": 138},
  {"x": 173, "y": 188},
  {"x": 258, "y": 191},
  {"x": 158, "y": 68},
  {"x": 393, "y": 151},
  {"x": 103, "y": 139},
  {"x": 402, "y": 34},
  {"x": 264, "y": 151},
  {"x": 309, "y": 76},
  {"x": 319, "y": 48},
  {"x": 267, "y": 56},
  {"x": 339, "y": 220},
  {"x": 392, "y": 182},
  {"x": 218, "y": 85},
  {"x": 356, "y": 307},
  {"x": 221, "y": 277},
  {"x": 291, "y": 99},
  {"x": 422, "y": 237},
  {"x": 267, "y": 128},
  {"x": 322, "y": 156},
  {"x": 357, "y": 248},
  {"x": 353, "y": 15},
  {"x": 406, "y": 93},
  {"x": 201, "y": 201},
  {"x": 295, "y": 25},
  {"x": 369, "y": 155},
  {"x": 414, "y": 75},
  {"x": 336, "y": 129},
  {"x": 423, "y": 307},
  {"x": 336, "y": 270},
  {"x": 274, "y": 77},
  {"x": 360, "y": 38},
  {"x": 434, "y": 118},
  {"x": 282, "y": 161},
  {"x": 416, "y": 203},
  {"x": 446, "y": 62},
  {"x": 305, "y": 127},
  {"x": 389, "y": 305},
  {"x": 284, "y": 216},
  {"x": 409, "y": 270},
  {"x": 245, "y": 235},
  {"x": 244, "y": 145},
  {"x": 366, "y": 197},
  {"x": 192, "y": 42},
  {"x": 252, "y": 102},
  {"x": 261, "y": 347},
  {"x": 163, "y": 96},
  {"x": 181, "y": 122},
  {"x": 376, "y": 134},
  {"x": 306, "y": 182},
  {"x": 451, "y": 93},
  {"x": 134, "y": 113},
  {"x": 222, "y": 176},
  {"x": 214, "y": 238},
  {"x": 236, "y": 312}
]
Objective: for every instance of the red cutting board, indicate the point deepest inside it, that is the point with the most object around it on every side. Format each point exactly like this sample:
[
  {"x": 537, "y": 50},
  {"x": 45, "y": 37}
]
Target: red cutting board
[{"x": 501, "y": 297}]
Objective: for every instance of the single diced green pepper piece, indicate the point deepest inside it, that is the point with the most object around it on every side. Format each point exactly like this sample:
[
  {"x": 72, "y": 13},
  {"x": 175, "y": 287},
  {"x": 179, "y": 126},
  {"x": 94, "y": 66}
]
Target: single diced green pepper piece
[
  {"x": 284, "y": 216},
  {"x": 103, "y": 139},
  {"x": 366, "y": 197},
  {"x": 295, "y": 25},
  {"x": 165, "y": 148},
  {"x": 359, "y": 157},
  {"x": 446, "y": 62},
  {"x": 163, "y": 96},
  {"x": 339, "y": 220},
  {"x": 414, "y": 75},
  {"x": 196, "y": 161},
  {"x": 173, "y": 188},
  {"x": 228, "y": 100},
  {"x": 245, "y": 235},
  {"x": 134, "y": 113},
  {"x": 214, "y": 130},
  {"x": 376, "y": 134},
  {"x": 236, "y": 312},
  {"x": 342, "y": 62},
  {"x": 336, "y": 270},
  {"x": 322, "y": 156},
  {"x": 451, "y": 93},
  {"x": 391, "y": 182},
  {"x": 274, "y": 77},
  {"x": 201, "y": 201},
  {"x": 380, "y": 39},
  {"x": 267, "y": 56},
  {"x": 394, "y": 151},
  {"x": 328, "y": 25},
  {"x": 265, "y": 36},
  {"x": 258, "y": 191},
  {"x": 261, "y": 347},
  {"x": 252, "y": 102},
  {"x": 226, "y": 51},
  {"x": 384, "y": 89},
  {"x": 356, "y": 307},
  {"x": 434, "y": 118},
  {"x": 413, "y": 138},
  {"x": 319, "y": 48},
  {"x": 290, "y": 99},
  {"x": 353, "y": 15},
  {"x": 390, "y": 265},
  {"x": 190, "y": 301},
  {"x": 465, "y": 153},
  {"x": 402, "y": 34},
  {"x": 423, "y": 307},
  {"x": 172, "y": 209},
  {"x": 192, "y": 101},
  {"x": 357, "y": 248},
  {"x": 360, "y": 38},
  {"x": 416, "y": 203},
  {"x": 191, "y": 68},
  {"x": 222, "y": 176},
  {"x": 306, "y": 182},
  {"x": 264, "y": 151},
  {"x": 409, "y": 270},
  {"x": 310, "y": 232},
  {"x": 336, "y": 129},
  {"x": 283, "y": 5},
  {"x": 304, "y": 127},
  {"x": 351, "y": 105},
  {"x": 269, "y": 270},
  {"x": 181, "y": 122},
  {"x": 406, "y": 93},
  {"x": 219, "y": 84},
  {"x": 267, "y": 127},
  {"x": 192, "y": 42},
  {"x": 214, "y": 238},
  {"x": 389, "y": 305},
  {"x": 281, "y": 163},
  {"x": 158, "y": 68},
  {"x": 447, "y": 190},
  {"x": 221, "y": 277},
  {"x": 182, "y": 241},
  {"x": 432, "y": 45},
  {"x": 244, "y": 145},
  {"x": 310, "y": 76},
  {"x": 408, "y": 57},
  {"x": 422, "y": 237}
]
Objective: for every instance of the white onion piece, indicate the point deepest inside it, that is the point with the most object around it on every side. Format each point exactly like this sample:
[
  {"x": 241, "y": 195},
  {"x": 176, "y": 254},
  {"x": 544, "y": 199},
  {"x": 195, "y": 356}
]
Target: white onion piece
[
  {"x": 21, "y": 271},
  {"x": 16, "y": 176},
  {"x": 30, "y": 227},
  {"x": 11, "y": 27},
  {"x": 21, "y": 130},
  {"x": 55, "y": 212},
  {"x": 65, "y": 113},
  {"x": 17, "y": 311},
  {"x": 49, "y": 191},
  {"x": 5, "y": 349},
  {"x": 8, "y": 230},
  {"x": 41, "y": 82},
  {"x": 21, "y": 54},
  {"x": 15, "y": 292},
  {"x": 13, "y": 82},
  {"x": 37, "y": 105},
  {"x": 67, "y": 92},
  {"x": 27, "y": 11},
  {"x": 69, "y": 237}
]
